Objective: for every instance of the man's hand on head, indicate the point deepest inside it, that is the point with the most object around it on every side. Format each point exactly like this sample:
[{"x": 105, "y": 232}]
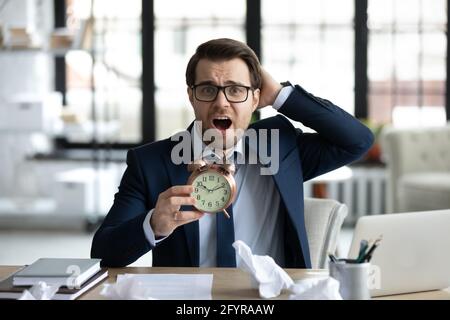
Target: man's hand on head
[
  {"x": 167, "y": 215},
  {"x": 270, "y": 89}
]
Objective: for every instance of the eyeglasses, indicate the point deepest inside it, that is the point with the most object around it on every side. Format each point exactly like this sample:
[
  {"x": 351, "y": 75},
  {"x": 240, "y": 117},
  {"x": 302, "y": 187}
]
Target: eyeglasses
[{"x": 233, "y": 93}]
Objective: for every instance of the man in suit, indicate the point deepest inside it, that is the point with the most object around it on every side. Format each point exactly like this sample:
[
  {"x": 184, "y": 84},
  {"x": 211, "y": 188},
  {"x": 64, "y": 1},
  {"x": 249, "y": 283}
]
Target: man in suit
[{"x": 153, "y": 208}]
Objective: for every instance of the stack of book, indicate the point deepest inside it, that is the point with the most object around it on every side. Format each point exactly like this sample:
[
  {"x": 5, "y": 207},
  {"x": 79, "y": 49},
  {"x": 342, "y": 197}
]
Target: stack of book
[
  {"x": 61, "y": 38},
  {"x": 74, "y": 276},
  {"x": 21, "y": 38}
]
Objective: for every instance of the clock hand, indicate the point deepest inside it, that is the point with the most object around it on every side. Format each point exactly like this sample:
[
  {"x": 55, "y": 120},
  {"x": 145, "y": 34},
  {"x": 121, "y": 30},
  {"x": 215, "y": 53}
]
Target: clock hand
[
  {"x": 219, "y": 187},
  {"x": 204, "y": 187}
]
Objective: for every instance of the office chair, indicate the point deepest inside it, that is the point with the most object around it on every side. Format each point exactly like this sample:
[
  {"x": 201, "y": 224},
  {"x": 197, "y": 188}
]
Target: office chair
[{"x": 323, "y": 222}]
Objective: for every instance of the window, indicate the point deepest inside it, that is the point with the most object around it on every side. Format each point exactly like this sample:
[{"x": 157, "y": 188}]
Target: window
[
  {"x": 103, "y": 76},
  {"x": 311, "y": 43},
  {"x": 407, "y": 61},
  {"x": 180, "y": 26}
]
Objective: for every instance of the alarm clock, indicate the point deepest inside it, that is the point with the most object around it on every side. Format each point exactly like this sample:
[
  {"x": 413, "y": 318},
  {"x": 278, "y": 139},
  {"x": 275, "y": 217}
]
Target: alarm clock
[{"x": 214, "y": 186}]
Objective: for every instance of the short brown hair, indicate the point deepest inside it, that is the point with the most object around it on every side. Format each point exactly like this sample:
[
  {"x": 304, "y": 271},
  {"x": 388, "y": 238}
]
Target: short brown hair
[{"x": 225, "y": 49}]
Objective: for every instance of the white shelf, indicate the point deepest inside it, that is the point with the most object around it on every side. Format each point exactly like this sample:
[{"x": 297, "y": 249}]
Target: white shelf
[
  {"x": 27, "y": 206},
  {"x": 54, "y": 52}
]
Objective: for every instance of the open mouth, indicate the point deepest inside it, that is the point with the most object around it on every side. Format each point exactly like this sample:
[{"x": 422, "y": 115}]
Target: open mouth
[{"x": 222, "y": 123}]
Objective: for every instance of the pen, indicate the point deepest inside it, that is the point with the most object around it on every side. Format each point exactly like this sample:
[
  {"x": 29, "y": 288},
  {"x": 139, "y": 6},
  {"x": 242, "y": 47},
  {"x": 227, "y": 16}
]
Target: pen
[
  {"x": 362, "y": 251},
  {"x": 332, "y": 258},
  {"x": 368, "y": 256},
  {"x": 369, "y": 253}
]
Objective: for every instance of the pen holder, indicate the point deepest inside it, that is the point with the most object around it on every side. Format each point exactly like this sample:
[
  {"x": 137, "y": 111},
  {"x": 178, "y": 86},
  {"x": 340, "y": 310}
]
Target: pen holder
[{"x": 353, "y": 279}]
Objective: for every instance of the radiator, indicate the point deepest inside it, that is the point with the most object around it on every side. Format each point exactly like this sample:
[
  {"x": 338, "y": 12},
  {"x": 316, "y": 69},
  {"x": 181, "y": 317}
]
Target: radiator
[{"x": 364, "y": 193}]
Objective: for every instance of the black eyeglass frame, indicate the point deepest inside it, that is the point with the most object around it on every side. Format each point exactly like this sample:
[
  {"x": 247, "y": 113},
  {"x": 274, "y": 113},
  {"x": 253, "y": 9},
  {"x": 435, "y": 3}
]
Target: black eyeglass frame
[{"x": 223, "y": 89}]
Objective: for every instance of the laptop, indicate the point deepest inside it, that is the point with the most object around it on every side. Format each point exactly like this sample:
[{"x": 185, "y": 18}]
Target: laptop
[{"x": 413, "y": 255}]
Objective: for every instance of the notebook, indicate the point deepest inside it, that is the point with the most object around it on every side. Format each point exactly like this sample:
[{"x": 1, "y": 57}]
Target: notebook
[
  {"x": 9, "y": 291},
  {"x": 63, "y": 271}
]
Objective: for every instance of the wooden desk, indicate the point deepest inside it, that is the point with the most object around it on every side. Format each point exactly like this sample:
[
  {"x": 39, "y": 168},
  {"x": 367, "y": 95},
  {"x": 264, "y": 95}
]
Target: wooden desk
[{"x": 232, "y": 284}]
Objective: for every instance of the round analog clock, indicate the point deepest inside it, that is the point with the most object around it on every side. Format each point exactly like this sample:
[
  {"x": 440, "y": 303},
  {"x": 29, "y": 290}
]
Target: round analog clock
[{"x": 214, "y": 187}]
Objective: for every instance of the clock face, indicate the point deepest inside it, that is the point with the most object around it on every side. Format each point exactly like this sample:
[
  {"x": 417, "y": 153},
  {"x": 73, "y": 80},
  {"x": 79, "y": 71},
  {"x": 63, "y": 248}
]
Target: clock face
[{"x": 211, "y": 191}]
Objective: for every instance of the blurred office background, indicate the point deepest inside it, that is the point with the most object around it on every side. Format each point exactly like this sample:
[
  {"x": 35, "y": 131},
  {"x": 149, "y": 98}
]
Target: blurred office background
[{"x": 82, "y": 81}]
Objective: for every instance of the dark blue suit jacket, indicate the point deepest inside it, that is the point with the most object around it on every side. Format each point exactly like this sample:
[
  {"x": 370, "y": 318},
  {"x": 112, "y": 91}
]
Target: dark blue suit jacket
[{"x": 340, "y": 139}]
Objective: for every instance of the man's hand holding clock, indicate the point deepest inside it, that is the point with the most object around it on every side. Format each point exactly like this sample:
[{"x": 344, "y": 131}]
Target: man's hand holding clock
[
  {"x": 167, "y": 215},
  {"x": 210, "y": 189}
]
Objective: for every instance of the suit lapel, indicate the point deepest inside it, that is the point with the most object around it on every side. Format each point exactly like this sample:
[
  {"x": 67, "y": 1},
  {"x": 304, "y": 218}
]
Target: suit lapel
[
  {"x": 290, "y": 185},
  {"x": 288, "y": 178},
  {"x": 178, "y": 175}
]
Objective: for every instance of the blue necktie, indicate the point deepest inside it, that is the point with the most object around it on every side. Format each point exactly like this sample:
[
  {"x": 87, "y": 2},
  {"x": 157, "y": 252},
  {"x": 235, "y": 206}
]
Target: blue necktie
[{"x": 226, "y": 256}]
